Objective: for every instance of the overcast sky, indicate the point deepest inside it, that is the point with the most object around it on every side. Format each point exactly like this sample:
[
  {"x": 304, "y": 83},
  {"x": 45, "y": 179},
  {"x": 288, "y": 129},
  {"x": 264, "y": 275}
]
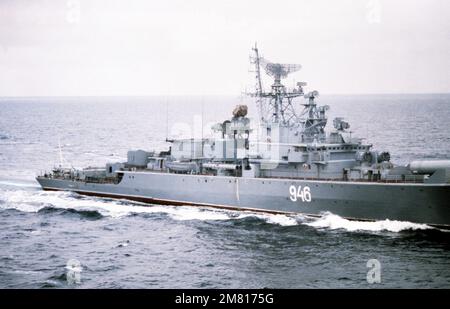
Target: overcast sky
[{"x": 93, "y": 47}]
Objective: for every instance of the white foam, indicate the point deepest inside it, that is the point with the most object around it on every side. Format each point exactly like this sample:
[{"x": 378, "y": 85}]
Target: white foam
[
  {"x": 332, "y": 221},
  {"x": 19, "y": 184},
  {"x": 282, "y": 220},
  {"x": 33, "y": 201}
]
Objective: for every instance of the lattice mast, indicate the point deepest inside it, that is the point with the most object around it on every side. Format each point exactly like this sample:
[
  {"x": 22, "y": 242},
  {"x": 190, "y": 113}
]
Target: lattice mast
[
  {"x": 258, "y": 85},
  {"x": 276, "y": 105}
]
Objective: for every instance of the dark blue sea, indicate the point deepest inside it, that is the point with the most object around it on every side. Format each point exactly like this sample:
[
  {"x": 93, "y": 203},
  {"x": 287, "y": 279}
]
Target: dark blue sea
[{"x": 122, "y": 244}]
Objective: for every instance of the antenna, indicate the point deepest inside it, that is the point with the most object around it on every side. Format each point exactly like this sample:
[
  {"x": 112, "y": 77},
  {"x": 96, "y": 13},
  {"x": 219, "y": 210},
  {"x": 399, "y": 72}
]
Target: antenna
[
  {"x": 278, "y": 70},
  {"x": 202, "y": 115},
  {"x": 256, "y": 61},
  {"x": 61, "y": 160},
  {"x": 167, "y": 118},
  {"x": 276, "y": 105},
  {"x": 202, "y": 123},
  {"x": 258, "y": 87}
]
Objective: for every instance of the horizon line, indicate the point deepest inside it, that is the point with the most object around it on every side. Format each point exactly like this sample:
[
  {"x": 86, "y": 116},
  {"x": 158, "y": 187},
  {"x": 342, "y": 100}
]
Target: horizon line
[{"x": 208, "y": 95}]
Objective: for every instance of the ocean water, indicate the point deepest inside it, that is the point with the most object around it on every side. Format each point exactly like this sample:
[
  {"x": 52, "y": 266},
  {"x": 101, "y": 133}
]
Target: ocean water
[{"x": 123, "y": 244}]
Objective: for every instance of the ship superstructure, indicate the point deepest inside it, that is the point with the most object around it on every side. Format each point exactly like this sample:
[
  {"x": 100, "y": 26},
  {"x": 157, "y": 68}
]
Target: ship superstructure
[{"x": 288, "y": 164}]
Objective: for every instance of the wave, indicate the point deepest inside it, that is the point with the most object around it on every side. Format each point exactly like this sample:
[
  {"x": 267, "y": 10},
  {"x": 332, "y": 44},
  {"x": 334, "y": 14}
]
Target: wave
[
  {"x": 96, "y": 208},
  {"x": 85, "y": 213},
  {"x": 46, "y": 201},
  {"x": 19, "y": 184},
  {"x": 331, "y": 221},
  {"x": 50, "y": 201}
]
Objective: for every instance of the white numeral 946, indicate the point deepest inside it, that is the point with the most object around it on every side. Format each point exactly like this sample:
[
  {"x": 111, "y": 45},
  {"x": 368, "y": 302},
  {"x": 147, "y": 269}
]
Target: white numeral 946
[{"x": 304, "y": 194}]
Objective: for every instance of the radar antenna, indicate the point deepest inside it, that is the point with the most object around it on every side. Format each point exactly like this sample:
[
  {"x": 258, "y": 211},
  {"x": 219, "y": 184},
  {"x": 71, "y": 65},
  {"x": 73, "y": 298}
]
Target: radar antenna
[
  {"x": 275, "y": 105},
  {"x": 313, "y": 117},
  {"x": 278, "y": 70}
]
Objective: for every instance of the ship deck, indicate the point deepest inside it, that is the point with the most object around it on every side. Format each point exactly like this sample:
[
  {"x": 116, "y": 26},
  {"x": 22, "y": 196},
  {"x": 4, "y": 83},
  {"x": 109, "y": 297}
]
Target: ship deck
[{"x": 115, "y": 180}]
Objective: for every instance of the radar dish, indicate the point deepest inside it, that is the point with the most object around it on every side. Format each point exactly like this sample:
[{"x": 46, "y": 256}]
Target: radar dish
[{"x": 278, "y": 70}]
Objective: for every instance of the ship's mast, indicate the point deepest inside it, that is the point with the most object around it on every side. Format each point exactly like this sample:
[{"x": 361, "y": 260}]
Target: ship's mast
[
  {"x": 313, "y": 117},
  {"x": 61, "y": 159},
  {"x": 276, "y": 105},
  {"x": 258, "y": 86}
]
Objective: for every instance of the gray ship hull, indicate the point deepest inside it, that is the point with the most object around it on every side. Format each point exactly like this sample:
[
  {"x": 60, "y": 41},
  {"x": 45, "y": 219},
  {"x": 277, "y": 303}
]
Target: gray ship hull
[{"x": 414, "y": 202}]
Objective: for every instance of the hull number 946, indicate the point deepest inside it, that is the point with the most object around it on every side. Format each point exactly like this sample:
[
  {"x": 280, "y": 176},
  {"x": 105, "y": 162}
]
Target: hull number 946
[{"x": 299, "y": 193}]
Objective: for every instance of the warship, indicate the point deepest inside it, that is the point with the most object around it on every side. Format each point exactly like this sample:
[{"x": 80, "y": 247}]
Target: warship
[{"x": 284, "y": 164}]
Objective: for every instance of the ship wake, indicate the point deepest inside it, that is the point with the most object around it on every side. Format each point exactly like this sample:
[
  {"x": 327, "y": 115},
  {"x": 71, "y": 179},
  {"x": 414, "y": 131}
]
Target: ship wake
[
  {"x": 331, "y": 221},
  {"x": 46, "y": 201}
]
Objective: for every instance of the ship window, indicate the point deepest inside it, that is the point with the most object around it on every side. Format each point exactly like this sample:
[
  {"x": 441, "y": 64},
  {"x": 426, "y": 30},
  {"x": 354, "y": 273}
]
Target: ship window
[{"x": 110, "y": 169}]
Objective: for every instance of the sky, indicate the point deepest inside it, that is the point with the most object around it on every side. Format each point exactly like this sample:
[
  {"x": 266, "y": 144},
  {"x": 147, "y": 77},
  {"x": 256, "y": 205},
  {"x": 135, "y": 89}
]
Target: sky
[{"x": 202, "y": 47}]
